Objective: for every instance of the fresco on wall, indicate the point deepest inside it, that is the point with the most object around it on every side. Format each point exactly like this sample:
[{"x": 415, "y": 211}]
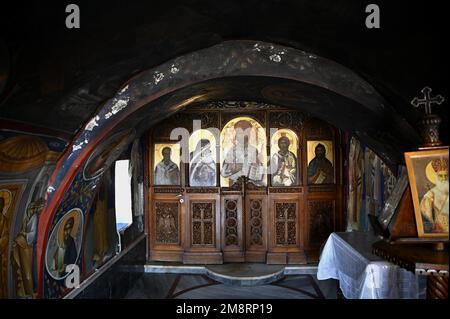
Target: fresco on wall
[
  {"x": 370, "y": 184},
  {"x": 24, "y": 251},
  {"x": 79, "y": 194},
  {"x": 9, "y": 196},
  {"x": 26, "y": 159},
  {"x": 104, "y": 155},
  {"x": 99, "y": 242},
  {"x": 355, "y": 184},
  {"x": 22, "y": 153},
  {"x": 137, "y": 185},
  {"x": 64, "y": 243},
  {"x": 372, "y": 179}
]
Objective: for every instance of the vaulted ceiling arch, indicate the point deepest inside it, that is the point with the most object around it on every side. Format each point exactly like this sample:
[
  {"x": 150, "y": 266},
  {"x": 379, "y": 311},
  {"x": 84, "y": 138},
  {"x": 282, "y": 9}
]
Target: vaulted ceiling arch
[{"x": 241, "y": 69}]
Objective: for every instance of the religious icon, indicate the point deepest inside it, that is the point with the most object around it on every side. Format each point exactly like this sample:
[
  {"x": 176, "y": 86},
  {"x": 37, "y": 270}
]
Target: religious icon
[
  {"x": 284, "y": 160},
  {"x": 243, "y": 144},
  {"x": 167, "y": 164},
  {"x": 320, "y": 162},
  {"x": 8, "y": 198},
  {"x": 64, "y": 243},
  {"x": 107, "y": 153},
  {"x": 202, "y": 165},
  {"x": 355, "y": 184},
  {"x": 97, "y": 241},
  {"x": 100, "y": 224},
  {"x": 428, "y": 177},
  {"x": 24, "y": 250}
]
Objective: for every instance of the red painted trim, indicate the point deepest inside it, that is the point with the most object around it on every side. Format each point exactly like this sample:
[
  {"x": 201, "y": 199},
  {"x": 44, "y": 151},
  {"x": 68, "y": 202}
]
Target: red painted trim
[{"x": 50, "y": 207}]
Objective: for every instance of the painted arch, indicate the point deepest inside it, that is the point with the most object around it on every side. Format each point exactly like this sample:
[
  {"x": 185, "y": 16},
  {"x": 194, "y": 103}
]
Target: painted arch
[{"x": 281, "y": 75}]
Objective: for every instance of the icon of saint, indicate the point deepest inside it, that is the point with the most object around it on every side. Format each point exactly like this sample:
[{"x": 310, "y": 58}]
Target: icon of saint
[
  {"x": 284, "y": 165},
  {"x": 67, "y": 253},
  {"x": 202, "y": 165},
  {"x": 434, "y": 204},
  {"x": 166, "y": 171},
  {"x": 243, "y": 159},
  {"x": 320, "y": 169}
]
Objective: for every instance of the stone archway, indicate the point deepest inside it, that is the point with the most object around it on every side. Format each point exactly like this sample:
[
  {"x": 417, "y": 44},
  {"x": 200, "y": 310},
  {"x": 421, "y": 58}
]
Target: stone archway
[{"x": 280, "y": 74}]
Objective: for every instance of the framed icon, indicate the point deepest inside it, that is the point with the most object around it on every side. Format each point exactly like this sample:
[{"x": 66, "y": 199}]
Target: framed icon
[{"x": 428, "y": 177}]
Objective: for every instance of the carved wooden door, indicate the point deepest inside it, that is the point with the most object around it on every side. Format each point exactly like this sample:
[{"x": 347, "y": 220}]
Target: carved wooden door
[
  {"x": 244, "y": 224},
  {"x": 255, "y": 213},
  {"x": 232, "y": 227}
]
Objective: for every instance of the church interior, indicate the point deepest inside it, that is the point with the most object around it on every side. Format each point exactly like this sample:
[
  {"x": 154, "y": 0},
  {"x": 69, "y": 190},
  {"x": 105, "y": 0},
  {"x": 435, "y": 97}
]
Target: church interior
[{"x": 279, "y": 149}]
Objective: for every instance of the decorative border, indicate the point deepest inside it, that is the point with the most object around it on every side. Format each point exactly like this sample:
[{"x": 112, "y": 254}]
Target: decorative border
[
  {"x": 171, "y": 190},
  {"x": 202, "y": 190},
  {"x": 282, "y": 190}
]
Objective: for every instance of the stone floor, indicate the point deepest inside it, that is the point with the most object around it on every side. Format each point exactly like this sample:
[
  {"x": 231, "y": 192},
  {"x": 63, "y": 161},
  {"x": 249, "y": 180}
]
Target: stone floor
[
  {"x": 245, "y": 274},
  {"x": 187, "y": 286}
]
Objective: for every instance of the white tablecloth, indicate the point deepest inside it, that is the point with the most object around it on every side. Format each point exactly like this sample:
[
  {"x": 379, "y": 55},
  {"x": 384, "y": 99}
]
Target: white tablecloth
[{"x": 348, "y": 258}]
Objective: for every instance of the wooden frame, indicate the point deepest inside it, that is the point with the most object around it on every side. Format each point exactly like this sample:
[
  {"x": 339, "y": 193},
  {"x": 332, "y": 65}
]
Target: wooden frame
[
  {"x": 426, "y": 168},
  {"x": 244, "y": 250}
]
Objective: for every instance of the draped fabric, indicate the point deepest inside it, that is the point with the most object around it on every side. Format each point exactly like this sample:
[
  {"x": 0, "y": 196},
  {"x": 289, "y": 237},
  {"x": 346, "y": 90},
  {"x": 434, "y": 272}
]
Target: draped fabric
[{"x": 347, "y": 257}]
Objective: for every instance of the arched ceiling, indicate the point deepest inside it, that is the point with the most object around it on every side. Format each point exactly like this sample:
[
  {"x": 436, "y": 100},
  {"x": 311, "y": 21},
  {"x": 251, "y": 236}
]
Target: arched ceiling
[
  {"x": 56, "y": 78},
  {"x": 250, "y": 70}
]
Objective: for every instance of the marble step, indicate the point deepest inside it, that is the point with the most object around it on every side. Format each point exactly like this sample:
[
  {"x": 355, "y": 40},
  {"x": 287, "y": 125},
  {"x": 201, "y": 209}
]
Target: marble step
[{"x": 245, "y": 274}]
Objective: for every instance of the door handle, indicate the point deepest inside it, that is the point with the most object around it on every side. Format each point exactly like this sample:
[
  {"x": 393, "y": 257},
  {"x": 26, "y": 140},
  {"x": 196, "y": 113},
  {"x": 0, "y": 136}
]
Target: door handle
[{"x": 180, "y": 198}]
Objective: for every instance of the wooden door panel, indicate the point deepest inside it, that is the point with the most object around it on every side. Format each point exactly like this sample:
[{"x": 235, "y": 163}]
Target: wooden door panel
[
  {"x": 320, "y": 221},
  {"x": 203, "y": 241},
  {"x": 256, "y": 228},
  {"x": 285, "y": 228},
  {"x": 167, "y": 228},
  {"x": 203, "y": 219},
  {"x": 167, "y": 221},
  {"x": 232, "y": 228}
]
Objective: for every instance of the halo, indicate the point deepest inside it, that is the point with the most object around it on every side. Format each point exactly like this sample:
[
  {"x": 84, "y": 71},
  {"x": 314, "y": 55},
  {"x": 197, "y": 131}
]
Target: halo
[
  {"x": 200, "y": 135},
  {"x": 292, "y": 140},
  {"x": 431, "y": 174},
  {"x": 224, "y": 137},
  {"x": 7, "y": 196},
  {"x": 175, "y": 154},
  {"x": 328, "y": 150},
  {"x": 55, "y": 241},
  {"x": 75, "y": 213}
]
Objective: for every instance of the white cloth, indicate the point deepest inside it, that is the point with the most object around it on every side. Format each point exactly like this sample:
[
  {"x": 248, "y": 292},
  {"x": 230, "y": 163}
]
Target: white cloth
[{"x": 348, "y": 258}]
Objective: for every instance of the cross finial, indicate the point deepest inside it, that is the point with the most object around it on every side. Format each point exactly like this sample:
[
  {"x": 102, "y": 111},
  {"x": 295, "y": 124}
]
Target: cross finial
[{"x": 427, "y": 100}]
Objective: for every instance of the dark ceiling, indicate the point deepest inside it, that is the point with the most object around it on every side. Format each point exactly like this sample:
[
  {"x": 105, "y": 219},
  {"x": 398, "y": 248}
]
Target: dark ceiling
[{"x": 56, "y": 77}]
